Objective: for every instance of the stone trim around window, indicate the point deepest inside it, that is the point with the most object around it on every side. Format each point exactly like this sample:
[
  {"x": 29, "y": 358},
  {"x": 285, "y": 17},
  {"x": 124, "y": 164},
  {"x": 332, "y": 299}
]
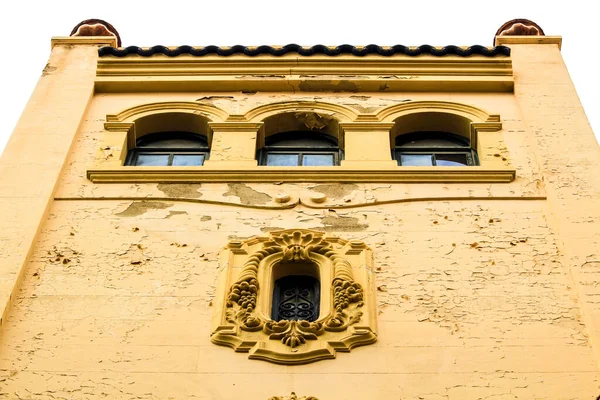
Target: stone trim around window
[{"x": 242, "y": 316}]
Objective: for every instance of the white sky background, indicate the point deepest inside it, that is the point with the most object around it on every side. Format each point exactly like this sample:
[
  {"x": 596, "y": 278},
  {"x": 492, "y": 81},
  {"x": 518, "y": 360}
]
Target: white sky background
[{"x": 27, "y": 26}]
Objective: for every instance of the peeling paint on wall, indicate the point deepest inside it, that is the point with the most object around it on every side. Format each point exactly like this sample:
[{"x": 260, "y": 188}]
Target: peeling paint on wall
[
  {"x": 186, "y": 190},
  {"x": 340, "y": 223},
  {"x": 246, "y": 194},
  {"x": 336, "y": 190},
  {"x": 319, "y": 85},
  {"x": 174, "y": 213},
  {"x": 137, "y": 208}
]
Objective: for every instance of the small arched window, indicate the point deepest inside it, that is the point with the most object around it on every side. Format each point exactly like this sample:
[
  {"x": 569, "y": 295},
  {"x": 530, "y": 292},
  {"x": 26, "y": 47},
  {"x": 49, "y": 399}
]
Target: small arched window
[
  {"x": 296, "y": 297},
  {"x": 434, "y": 149},
  {"x": 169, "y": 149},
  {"x": 298, "y": 148}
]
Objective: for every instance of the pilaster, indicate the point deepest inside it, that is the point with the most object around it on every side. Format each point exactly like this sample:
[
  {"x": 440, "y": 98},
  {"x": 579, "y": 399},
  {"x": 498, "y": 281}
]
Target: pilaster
[
  {"x": 378, "y": 153},
  {"x": 567, "y": 153},
  {"x": 233, "y": 144},
  {"x": 37, "y": 150}
]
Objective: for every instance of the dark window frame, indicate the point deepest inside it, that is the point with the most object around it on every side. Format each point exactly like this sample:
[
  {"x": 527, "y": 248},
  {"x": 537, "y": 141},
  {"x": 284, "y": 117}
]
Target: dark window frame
[
  {"x": 300, "y": 143},
  {"x": 151, "y": 145},
  {"x": 408, "y": 144},
  {"x": 291, "y": 283}
]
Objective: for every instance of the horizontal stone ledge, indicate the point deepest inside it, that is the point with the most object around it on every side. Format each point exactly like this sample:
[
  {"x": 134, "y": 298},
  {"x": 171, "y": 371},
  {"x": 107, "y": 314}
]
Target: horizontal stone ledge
[
  {"x": 296, "y": 83},
  {"x": 302, "y": 174}
]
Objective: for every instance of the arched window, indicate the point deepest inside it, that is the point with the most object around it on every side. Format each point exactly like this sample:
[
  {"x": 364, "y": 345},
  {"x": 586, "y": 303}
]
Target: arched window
[
  {"x": 169, "y": 149},
  {"x": 296, "y": 297},
  {"x": 299, "y": 148},
  {"x": 434, "y": 149}
]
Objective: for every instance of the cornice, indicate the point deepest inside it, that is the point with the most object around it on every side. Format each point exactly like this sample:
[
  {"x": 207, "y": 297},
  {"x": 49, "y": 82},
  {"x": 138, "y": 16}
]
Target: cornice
[
  {"x": 359, "y": 51},
  {"x": 291, "y": 72},
  {"x": 299, "y": 174}
]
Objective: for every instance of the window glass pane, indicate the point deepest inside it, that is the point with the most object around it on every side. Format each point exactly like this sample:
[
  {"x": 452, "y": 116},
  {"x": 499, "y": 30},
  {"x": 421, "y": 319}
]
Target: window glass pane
[
  {"x": 150, "y": 160},
  {"x": 451, "y": 160},
  {"x": 317, "y": 160},
  {"x": 282, "y": 160},
  {"x": 416, "y": 160},
  {"x": 188, "y": 159}
]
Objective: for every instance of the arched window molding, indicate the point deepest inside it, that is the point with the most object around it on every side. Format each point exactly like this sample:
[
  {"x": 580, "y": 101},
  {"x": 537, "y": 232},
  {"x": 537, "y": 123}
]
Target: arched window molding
[
  {"x": 243, "y": 307},
  {"x": 474, "y": 114},
  {"x": 128, "y": 126},
  {"x": 260, "y": 113},
  {"x": 480, "y": 128}
]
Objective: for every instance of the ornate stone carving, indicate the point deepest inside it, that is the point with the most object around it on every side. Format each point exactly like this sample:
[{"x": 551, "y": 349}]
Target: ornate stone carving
[
  {"x": 347, "y": 317},
  {"x": 293, "y": 396},
  {"x": 313, "y": 120}
]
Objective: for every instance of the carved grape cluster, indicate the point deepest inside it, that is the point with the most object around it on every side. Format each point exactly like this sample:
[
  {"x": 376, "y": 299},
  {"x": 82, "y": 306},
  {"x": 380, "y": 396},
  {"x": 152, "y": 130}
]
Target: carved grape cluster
[
  {"x": 345, "y": 293},
  {"x": 244, "y": 293}
]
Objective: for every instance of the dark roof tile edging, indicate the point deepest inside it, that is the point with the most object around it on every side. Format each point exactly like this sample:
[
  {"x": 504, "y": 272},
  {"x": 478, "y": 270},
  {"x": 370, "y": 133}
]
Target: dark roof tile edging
[{"x": 306, "y": 51}]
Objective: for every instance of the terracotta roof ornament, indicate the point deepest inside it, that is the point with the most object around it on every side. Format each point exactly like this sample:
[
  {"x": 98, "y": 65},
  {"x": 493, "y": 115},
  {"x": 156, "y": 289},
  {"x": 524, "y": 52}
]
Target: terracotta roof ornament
[
  {"x": 95, "y": 27},
  {"x": 519, "y": 27}
]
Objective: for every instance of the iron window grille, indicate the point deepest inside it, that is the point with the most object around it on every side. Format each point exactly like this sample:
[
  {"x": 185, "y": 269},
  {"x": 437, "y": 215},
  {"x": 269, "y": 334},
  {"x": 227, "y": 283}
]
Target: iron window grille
[
  {"x": 169, "y": 149},
  {"x": 434, "y": 149},
  {"x": 296, "y": 298}
]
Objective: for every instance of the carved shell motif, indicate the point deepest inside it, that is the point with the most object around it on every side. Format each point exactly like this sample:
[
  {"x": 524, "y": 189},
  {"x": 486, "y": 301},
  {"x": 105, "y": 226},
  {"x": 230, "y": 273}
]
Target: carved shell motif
[{"x": 295, "y": 247}]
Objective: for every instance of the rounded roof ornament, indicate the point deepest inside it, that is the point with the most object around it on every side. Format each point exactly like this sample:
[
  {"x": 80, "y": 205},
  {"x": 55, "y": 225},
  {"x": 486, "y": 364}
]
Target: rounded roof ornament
[
  {"x": 95, "y": 27},
  {"x": 519, "y": 27}
]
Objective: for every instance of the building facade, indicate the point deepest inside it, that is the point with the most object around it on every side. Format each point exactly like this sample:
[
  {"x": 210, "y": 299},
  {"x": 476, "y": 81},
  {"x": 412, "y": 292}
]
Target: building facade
[{"x": 301, "y": 223}]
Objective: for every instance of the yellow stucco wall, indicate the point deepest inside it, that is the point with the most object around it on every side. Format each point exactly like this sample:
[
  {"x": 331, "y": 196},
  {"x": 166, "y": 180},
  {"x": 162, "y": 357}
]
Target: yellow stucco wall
[{"x": 483, "y": 289}]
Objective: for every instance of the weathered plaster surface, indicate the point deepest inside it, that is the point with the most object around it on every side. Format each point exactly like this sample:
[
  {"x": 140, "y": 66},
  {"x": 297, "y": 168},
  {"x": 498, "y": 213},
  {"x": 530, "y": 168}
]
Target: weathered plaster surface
[
  {"x": 479, "y": 286},
  {"x": 472, "y": 296}
]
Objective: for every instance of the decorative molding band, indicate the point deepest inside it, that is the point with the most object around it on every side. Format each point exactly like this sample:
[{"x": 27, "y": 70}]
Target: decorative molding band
[
  {"x": 359, "y": 51},
  {"x": 301, "y": 174},
  {"x": 310, "y": 203}
]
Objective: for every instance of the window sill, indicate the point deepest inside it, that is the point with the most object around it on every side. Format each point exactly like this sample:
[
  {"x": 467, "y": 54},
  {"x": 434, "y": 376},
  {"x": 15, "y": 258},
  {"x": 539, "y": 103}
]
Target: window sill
[{"x": 478, "y": 174}]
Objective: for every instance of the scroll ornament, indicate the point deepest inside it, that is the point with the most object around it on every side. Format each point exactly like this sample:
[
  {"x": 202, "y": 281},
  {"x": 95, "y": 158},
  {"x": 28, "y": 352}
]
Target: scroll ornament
[{"x": 293, "y": 396}]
